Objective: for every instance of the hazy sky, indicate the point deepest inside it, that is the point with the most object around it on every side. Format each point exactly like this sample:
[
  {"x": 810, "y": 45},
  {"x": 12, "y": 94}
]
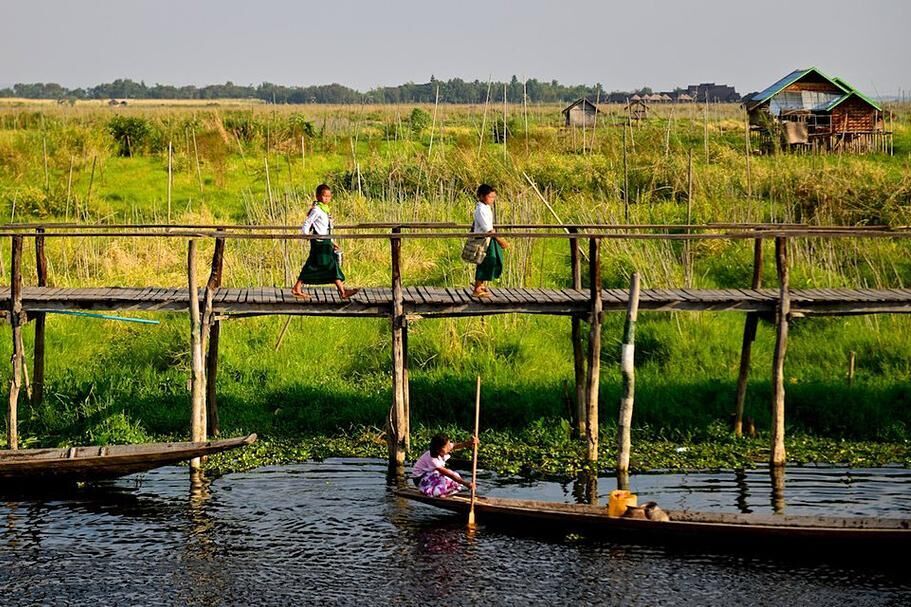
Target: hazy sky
[{"x": 364, "y": 44}]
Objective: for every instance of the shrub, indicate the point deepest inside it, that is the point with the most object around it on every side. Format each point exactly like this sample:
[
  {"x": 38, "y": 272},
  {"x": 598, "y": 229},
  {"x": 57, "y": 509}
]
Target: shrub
[{"x": 129, "y": 132}]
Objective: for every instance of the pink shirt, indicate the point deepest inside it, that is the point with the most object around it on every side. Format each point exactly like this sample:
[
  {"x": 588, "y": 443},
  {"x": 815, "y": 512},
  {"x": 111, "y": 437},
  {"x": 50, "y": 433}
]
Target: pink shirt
[{"x": 427, "y": 463}]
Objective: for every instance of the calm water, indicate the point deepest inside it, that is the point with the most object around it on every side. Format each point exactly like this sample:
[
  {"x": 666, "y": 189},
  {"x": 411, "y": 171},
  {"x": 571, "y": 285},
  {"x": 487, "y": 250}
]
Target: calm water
[{"x": 330, "y": 533}]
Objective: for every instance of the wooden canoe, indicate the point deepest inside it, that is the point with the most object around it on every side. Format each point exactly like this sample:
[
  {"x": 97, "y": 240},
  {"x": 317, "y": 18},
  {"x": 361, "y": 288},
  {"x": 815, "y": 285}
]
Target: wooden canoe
[
  {"x": 692, "y": 529},
  {"x": 100, "y": 463}
]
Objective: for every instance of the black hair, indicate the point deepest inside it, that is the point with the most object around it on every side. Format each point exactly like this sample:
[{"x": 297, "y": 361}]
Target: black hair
[
  {"x": 484, "y": 190},
  {"x": 437, "y": 443},
  {"x": 321, "y": 188}
]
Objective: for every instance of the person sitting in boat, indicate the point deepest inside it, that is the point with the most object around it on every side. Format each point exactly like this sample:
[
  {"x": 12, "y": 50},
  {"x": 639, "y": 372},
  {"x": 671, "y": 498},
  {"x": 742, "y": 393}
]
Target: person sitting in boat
[
  {"x": 430, "y": 473},
  {"x": 492, "y": 266},
  {"x": 323, "y": 265}
]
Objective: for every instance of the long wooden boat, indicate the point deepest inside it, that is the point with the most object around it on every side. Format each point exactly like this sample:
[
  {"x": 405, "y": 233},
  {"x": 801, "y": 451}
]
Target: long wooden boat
[
  {"x": 693, "y": 529},
  {"x": 100, "y": 463}
]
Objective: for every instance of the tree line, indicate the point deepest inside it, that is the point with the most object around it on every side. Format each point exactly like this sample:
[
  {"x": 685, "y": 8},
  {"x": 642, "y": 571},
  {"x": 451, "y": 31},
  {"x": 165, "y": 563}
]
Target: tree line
[{"x": 454, "y": 90}]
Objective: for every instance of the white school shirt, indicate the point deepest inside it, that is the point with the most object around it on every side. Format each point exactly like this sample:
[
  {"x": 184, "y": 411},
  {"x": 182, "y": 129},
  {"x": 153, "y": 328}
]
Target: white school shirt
[
  {"x": 483, "y": 218},
  {"x": 428, "y": 463},
  {"x": 317, "y": 222}
]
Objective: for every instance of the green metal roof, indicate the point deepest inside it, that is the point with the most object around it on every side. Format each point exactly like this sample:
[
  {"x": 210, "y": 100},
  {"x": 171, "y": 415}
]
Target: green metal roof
[{"x": 774, "y": 89}]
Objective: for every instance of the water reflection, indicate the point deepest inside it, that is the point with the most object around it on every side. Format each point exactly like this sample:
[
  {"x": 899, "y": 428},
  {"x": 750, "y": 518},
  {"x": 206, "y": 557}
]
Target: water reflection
[
  {"x": 585, "y": 488},
  {"x": 776, "y": 473},
  {"x": 333, "y": 532}
]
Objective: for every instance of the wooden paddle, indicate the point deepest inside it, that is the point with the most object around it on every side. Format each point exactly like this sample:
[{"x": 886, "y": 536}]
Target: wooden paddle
[{"x": 474, "y": 456}]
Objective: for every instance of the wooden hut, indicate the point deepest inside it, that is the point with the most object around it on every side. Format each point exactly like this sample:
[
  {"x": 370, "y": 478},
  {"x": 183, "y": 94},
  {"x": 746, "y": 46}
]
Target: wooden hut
[
  {"x": 809, "y": 110},
  {"x": 581, "y": 112},
  {"x": 637, "y": 108}
]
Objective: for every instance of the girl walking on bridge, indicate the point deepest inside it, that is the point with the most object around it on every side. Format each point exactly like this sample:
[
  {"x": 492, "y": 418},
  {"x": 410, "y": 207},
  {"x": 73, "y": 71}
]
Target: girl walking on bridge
[
  {"x": 491, "y": 266},
  {"x": 323, "y": 265}
]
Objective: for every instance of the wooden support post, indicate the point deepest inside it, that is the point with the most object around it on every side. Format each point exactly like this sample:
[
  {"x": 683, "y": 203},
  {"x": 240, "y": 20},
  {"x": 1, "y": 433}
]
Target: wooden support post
[
  {"x": 396, "y": 425},
  {"x": 197, "y": 377},
  {"x": 594, "y": 352},
  {"x": 40, "y": 320},
  {"x": 12, "y": 428},
  {"x": 746, "y": 347},
  {"x": 628, "y": 373},
  {"x": 687, "y": 245},
  {"x": 778, "y": 455},
  {"x": 578, "y": 352},
  {"x": 406, "y": 387},
  {"x": 211, "y": 331}
]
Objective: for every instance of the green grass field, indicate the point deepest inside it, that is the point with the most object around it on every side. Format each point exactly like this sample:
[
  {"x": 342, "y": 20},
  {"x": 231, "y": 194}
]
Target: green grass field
[{"x": 110, "y": 381}]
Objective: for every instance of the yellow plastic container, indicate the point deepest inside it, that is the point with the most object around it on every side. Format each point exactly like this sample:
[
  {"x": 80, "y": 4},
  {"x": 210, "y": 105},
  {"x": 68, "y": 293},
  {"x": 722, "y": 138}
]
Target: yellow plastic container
[{"x": 619, "y": 501}]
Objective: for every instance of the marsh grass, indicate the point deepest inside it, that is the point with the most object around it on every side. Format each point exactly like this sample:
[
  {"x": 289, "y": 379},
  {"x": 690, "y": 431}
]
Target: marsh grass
[{"x": 119, "y": 382}]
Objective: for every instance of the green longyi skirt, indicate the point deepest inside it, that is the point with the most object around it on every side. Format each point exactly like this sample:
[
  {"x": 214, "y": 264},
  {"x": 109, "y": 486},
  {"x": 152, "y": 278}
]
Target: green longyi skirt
[
  {"x": 492, "y": 266},
  {"x": 321, "y": 267}
]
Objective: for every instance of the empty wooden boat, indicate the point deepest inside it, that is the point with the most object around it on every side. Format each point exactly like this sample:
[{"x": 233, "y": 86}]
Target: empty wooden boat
[
  {"x": 100, "y": 463},
  {"x": 693, "y": 529}
]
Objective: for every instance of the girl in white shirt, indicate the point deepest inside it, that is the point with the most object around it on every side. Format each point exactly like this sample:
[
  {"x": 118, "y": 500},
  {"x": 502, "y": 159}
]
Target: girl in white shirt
[
  {"x": 322, "y": 266},
  {"x": 492, "y": 266},
  {"x": 430, "y": 473}
]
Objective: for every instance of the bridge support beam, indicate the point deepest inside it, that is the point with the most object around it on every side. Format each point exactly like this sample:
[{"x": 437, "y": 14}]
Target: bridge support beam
[
  {"x": 594, "y": 352},
  {"x": 40, "y": 320},
  {"x": 12, "y": 418},
  {"x": 628, "y": 373},
  {"x": 397, "y": 423},
  {"x": 580, "y": 410},
  {"x": 749, "y": 336},
  {"x": 197, "y": 376},
  {"x": 778, "y": 455},
  {"x": 211, "y": 331}
]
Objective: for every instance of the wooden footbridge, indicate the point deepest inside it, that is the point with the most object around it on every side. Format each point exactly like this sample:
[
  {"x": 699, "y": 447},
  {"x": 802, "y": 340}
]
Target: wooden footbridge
[{"x": 210, "y": 304}]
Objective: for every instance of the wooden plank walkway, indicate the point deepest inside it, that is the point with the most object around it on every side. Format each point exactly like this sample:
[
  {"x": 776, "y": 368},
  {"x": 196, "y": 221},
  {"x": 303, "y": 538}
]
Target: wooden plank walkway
[{"x": 444, "y": 302}]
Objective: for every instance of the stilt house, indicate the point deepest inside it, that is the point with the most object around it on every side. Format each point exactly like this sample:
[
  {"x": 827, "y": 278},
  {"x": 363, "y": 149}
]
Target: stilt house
[
  {"x": 580, "y": 112},
  {"x": 808, "y": 110}
]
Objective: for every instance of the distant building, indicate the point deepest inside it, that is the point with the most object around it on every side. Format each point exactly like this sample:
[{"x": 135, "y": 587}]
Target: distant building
[
  {"x": 581, "y": 112},
  {"x": 808, "y": 109},
  {"x": 714, "y": 93}
]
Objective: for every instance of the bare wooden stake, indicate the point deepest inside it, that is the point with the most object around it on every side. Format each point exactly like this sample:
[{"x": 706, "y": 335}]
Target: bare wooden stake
[
  {"x": 687, "y": 245},
  {"x": 748, "y": 152},
  {"x": 396, "y": 425},
  {"x": 212, "y": 421},
  {"x": 12, "y": 419},
  {"x": 778, "y": 456},
  {"x": 196, "y": 154},
  {"x": 40, "y": 321},
  {"x": 749, "y": 336},
  {"x": 210, "y": 336},
  {"x": 197, "y": 377},
  {"x": 628, "y": 373},
  {"x": 170, "y": 177},
  {"x": 594, "y": 351},
  {"x": 852, "y": 356},
  {"x": 625, "y": 180},
  {"x": 578, "y": 353}
]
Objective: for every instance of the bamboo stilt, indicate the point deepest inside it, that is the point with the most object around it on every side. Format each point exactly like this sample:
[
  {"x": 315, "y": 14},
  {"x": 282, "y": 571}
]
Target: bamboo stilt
[
  {"x": 778, "y": 455},
  {"x": 197, "y": 377},
  {"x": 749, "y": 336},
  {"x": 594, "y": 352},
  {"x": 395, "y": 433},
  {"x": 628, "y": 373},
  {"x": 210, "y": 337},
  {"x": 12, "y": 428},
  {"x": 578, "y": 352},
  {"x": 40, "y": 324}
]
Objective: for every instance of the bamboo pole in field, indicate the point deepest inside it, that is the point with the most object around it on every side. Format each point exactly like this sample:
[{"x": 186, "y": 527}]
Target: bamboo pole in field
[
  {"x": 749, "y": 336},
  {"x": 852, "y": 357},
  {"x": 705, "y": 127},
  {"x": 687, "y": 245},
  {"x": 484, "y": 117},
  {"x": 594, "y": 351},
  {"x": 269, "y": 188},
  {"x": 778, "y": 456},
  {"x": 170, "y": 177},
  {"x": 395, "y": 435},
  {"x": 628, "y": 373},
  {"x": 525, "y": 110},
  {"x": 69, "y": 189},
  {"x": 88, "y": 194},
  {"x": 433, "y": 124},
  {"x": 578, "y": 352},
  {"x": 47, "y": 176},
  {"x": 15, "y": 309},
  {"x": 747, "y": 152},
  {"x": 40, "y": 320},
  {"x": 196, "y": 154},
  {"x": 197, "y": 377},
  {"x": 625, "y": 180},
  {"x": 504, "y": 122}
]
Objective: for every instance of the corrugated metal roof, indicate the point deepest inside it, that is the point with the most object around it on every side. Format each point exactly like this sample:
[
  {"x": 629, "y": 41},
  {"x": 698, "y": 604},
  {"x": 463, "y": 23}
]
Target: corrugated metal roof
[
  {"x": 831, "y": 106},
  {"x": 769, "y": 92},
  {"x": 853, "y": 90}
]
